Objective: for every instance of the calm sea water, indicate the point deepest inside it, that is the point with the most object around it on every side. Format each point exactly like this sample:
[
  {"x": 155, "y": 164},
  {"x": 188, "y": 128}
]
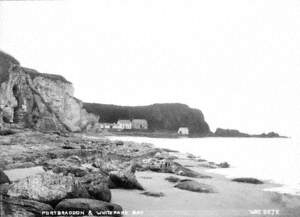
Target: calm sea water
[{"x": 275, "y": 160}]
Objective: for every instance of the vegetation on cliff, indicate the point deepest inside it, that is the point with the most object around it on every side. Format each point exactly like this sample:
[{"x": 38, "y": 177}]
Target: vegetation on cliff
[
  {"x": 5, "y": 62},
  {"x": 33, "y": 74},
  {"x": 169, "y": 116}
]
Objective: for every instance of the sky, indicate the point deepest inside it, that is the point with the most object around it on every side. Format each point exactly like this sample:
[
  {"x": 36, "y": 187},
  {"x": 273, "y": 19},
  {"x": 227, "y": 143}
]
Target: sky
[{"x": 236, "y": 60}]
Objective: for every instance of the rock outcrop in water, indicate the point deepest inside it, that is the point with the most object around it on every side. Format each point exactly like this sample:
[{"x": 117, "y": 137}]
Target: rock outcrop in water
[
  {"x": 235, "y": 133},
  {"x": 36, "y": 100}
]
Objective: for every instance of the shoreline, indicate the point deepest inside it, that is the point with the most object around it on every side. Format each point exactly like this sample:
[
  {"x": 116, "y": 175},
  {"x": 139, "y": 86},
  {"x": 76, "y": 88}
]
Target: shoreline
[
  {"x": 231, "y": 198},
  {"x": 174, "y": 135},
  {"x": 227, "y": 199},
  {"x": 213, "y": 170}
]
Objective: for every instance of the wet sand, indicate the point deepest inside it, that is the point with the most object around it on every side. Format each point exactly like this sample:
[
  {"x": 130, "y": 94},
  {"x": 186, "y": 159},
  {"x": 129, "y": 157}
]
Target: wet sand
[{"x": 231, "y": 199}]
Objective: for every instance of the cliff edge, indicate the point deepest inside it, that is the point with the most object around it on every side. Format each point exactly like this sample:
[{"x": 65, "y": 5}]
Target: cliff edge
[{"x": 37, "y": 100}]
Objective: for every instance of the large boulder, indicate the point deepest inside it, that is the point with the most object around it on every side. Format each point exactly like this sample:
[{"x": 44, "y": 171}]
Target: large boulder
[
  {"x": 48, "y": 188},
  {"x": 98, "y": 208},
  {"x": 97, "y": 186},
  {"x": 125, "y": 178},
  {"x": 3, "y": 178},
  {"x": 100, "y": 191},
  {"x": 191, "y": 185},
  {"x": 16, "y": 207}
]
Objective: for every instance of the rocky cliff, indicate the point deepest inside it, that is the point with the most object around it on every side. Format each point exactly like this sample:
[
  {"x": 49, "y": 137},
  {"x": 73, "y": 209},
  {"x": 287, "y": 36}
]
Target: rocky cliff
[
  {"x": 38, "y": 100},
  {"x": 169, "y": 116}
]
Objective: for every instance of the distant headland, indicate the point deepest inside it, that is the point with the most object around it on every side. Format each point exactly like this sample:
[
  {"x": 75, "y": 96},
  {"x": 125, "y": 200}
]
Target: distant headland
[
  {"x": 235, "y": 133},
  {"x": 44, "y": 102}
]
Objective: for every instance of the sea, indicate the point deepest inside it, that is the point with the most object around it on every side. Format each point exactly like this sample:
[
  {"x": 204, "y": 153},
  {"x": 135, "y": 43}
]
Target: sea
[{"x": 276, "y": 160}]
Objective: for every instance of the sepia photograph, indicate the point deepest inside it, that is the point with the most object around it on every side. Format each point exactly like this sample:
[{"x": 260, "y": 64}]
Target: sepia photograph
[{"x": 149, "y": 108}]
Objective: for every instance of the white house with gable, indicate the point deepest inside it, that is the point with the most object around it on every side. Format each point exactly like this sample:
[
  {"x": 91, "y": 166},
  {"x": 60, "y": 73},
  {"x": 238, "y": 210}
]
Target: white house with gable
[
  {"x": 124, "y": 124},
  {"x": 183, "y": 131}
]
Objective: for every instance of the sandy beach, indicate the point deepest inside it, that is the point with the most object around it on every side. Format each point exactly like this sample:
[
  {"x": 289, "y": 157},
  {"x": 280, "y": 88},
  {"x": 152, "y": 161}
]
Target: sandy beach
[
  {"x": 227, "y": 199},
  {"x": 231, "y": 199}
]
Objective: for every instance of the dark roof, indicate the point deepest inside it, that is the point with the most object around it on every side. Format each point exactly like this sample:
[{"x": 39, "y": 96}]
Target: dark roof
[
  {"x": 139, "y": 120},
  {"x": 124, "y": 121}
]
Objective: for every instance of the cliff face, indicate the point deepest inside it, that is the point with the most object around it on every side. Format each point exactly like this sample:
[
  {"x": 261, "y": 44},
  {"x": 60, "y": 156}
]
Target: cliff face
[
  {"x": 37, "y": 100},
  {"x": 159, "y": 116}
]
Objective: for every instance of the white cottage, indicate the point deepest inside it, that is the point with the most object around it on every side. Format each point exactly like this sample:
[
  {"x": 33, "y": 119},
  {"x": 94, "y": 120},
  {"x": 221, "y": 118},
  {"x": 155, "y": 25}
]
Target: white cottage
[
  {"x": 125, "y": 124},
  {"x": 139, "y": 124},
  {"x": 183, "y": 131},
  {"x": 105, "y": 125}
]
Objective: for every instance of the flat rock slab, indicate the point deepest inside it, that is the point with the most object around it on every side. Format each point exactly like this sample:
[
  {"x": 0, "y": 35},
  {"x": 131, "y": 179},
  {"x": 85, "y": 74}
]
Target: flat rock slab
[
  {"x": 248, "y": 180},
  {"x": 172, "y": 179},
  {"x": 67, "y": 166},
  {"x": 21, "y": 173},
  {"x": 48, "y": 188},
  {"x": 16, "y": 207},
  {"x": 194, "y": 186},
  {"x": 153, "y": 194}
]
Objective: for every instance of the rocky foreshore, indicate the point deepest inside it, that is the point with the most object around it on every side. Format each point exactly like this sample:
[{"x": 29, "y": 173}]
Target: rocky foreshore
[
  {"x": 79, "y": 171},
  {"x": 44, "y": 174}
]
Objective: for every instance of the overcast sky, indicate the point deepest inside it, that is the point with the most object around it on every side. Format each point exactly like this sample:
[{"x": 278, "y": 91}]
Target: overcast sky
[{"x": 236, "y": 60}]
